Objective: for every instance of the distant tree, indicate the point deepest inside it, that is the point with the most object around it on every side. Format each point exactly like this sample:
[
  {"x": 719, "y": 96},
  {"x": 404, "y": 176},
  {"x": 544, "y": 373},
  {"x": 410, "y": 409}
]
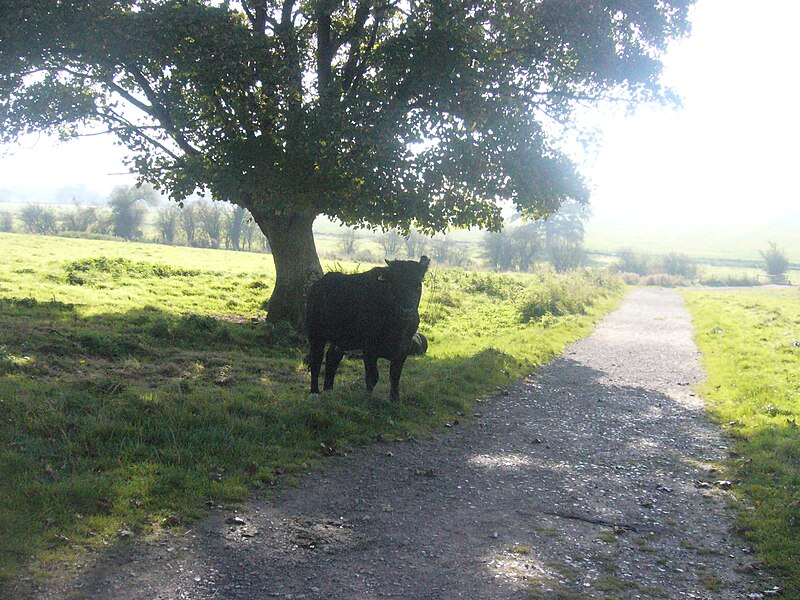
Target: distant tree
[
  {"x": 629, "y": 261},
  {"x": 166, "y": 223},
  {"x": 190, "y": 221},
  {"x": 515, "y": 248},
  {"x": 234, "y": 226},
  {"x": 128, "y": 207},
  {"x": 565, "y": 225},
  {"x": 391, "y": 242},
  {"x": 679, "y": 264},
  {"x": 776, "y": 263},
  {"x": 210, "y": 218},
  {"x": 79, "y": 218},
  {"x": 6, "y": 221},
  {"x": 459, "y": 257},
  {"x": 250, "y": 233},
  {"x": 566, "y": 256},
  {"x": 525, "y": 245},
  {"x": 295, "y": 109},
  {"x": 38, "y": 219},
  {"x": 105, "y": 222},
  {"x": 348, "y": 242},
  {"x": 441, "y": 249},
  {"x": 415, "y": 244},
  {"x": 497, "y": 250}
]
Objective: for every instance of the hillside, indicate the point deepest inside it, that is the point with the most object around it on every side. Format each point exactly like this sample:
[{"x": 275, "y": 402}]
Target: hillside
[{"x": 742, "y": 241}]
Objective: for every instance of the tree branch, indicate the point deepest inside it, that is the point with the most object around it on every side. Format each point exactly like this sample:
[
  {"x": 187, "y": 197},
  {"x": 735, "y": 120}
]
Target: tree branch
[
  {"x": 161, "y": 113},
  {"x": 113, "y": 117},
  {"x": 287, "y": 19},
  {"x": 354, "y": 37},
  {"x": 113, "y": 85}
]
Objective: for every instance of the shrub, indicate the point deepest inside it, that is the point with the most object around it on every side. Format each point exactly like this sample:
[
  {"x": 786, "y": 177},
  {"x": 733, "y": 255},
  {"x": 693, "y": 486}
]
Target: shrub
[
  {"x": 79, "y": 219},
  {"x": 630, "y": 262},
  {"x": 167, "y": 221},
  {"x": 498, "y": 286},
  {"x": 731, "y": 281},
  {"x": 566, "y": 256},
  {"x": 630, "y": 278},
  {"x": 6, "y": 221},
  {"x": 88, "y": 271},
  {"x": 560, "y": 295},
  {"x": 679, "y": 264},
  {"x": 777, "y": 263},
  {"x": 127, "y": 209},
  {"x": 38, "y": 219}
]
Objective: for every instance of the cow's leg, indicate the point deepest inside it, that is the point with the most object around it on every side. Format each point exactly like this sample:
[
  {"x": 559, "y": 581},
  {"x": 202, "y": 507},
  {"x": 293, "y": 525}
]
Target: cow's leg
[
  {"x": 395, "y": 369},
  {"x": 315, "y": 362},
  {"x": 371, "y": 370},
  {"x": 332, "y": 359}
]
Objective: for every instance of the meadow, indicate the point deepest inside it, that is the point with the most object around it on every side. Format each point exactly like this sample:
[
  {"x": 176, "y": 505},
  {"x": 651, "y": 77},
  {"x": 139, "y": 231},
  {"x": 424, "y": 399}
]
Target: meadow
[
  {"x": 141, "y": 385},
  {"x": 750, "y": 342}
]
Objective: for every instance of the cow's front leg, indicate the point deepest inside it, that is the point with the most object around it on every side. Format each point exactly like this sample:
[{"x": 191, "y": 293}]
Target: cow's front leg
[
  {"x": 371, "y": 370},
  {"x": 332, "y": 360},
  {"x": 315, "y": 362},
  {"x": 395, "y": 369}
]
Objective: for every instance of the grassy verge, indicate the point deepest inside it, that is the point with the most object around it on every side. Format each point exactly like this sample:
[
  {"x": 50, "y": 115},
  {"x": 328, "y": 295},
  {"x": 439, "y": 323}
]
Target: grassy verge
[
  {"x": 138, "y": 384},
  {"x": 751, "y": 346}
]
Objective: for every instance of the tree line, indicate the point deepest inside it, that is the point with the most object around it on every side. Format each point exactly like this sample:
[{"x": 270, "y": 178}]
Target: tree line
[
  {"x": 131, "y": 211},
  {"x": 200, "y": 223},
  {"x": 557, "y": 239}
]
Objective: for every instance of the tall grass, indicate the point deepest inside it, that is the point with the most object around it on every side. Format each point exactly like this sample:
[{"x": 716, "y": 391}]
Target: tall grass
[
  {"x": 751, "y": 347},
  {"x": 139, "y": 383}
]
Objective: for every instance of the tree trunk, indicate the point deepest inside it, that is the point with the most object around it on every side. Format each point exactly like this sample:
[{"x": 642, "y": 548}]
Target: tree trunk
[{"x": 296, "y": 264}]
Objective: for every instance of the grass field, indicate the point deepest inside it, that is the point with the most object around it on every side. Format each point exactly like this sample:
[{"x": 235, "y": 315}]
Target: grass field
[
  {"x": 751, "y": 346},
  {"x": 140, "y": 383}
]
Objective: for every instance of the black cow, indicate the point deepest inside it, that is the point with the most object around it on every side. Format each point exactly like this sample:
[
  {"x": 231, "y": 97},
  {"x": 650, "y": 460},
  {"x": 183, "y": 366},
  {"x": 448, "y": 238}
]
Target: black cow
[{"x": 375, "y": 312}]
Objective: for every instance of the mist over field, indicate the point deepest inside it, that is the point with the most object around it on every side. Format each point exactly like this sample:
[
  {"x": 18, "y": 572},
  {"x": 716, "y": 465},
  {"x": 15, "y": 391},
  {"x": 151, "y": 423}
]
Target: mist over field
[{"x": 742, "y": 239}]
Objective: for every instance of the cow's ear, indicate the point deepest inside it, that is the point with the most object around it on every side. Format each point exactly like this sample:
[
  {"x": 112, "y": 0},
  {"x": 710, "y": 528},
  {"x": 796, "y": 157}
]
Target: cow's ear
[
  {"x": 388, "y": 262},
  {"x": 424, "y": 262}
]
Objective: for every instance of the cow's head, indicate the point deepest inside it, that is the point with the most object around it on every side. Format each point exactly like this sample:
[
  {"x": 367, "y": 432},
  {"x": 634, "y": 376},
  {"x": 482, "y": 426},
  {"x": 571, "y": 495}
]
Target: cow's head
[{"x": 404, "y": 281}]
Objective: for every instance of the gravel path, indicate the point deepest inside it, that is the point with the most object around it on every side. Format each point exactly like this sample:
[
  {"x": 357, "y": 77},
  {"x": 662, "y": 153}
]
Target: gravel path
[{"x": 593, "y": 478}]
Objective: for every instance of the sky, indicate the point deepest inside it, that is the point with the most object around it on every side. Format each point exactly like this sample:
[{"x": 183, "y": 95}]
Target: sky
[
  {"x": 725, "y": 156},
  {"x": 728, "y": 155}
]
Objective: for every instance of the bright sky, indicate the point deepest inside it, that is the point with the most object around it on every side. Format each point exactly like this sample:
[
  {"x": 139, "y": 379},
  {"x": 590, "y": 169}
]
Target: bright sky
[{"x": 728, "y": 154}]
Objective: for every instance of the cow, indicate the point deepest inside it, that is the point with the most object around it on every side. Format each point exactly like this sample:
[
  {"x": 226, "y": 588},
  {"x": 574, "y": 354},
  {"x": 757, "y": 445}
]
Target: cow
[{"x": 376, "y": 312}]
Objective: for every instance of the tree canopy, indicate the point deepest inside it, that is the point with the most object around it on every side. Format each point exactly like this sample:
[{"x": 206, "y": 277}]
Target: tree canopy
[{"x": 423, "y": 113}]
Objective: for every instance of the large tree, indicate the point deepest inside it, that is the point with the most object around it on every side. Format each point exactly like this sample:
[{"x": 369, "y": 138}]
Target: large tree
[{"x": 423, "y": 113}]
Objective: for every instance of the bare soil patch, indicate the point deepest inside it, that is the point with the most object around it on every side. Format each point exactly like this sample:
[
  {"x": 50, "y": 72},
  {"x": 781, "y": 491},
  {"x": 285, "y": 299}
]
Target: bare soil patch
[{"x": 596, "y": 477}]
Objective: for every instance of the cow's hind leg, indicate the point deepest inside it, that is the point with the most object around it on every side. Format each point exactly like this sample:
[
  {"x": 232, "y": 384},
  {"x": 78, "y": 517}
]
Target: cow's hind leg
[
  {"x": 395, "y": 369},
  {"x": 371, "y": 370},
  {"x": 315, "y": 362},
  {"x": 332, "y": 359}
]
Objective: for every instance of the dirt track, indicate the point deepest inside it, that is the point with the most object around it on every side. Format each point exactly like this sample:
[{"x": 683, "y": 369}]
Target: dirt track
[{"x": 593, "y": 478}]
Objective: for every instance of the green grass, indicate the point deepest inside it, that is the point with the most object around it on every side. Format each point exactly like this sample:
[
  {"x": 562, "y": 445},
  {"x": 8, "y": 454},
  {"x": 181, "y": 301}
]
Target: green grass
[
  {"x": 140, "y": 383},
  {"x": 751, "y": 346}
]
